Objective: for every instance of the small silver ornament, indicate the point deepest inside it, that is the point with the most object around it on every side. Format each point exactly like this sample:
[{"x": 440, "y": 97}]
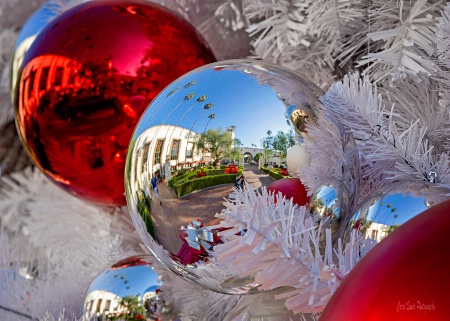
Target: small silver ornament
[
  {"x": 300, "y": 117},
  {"x": 380, "y": 214},
  {"x": 328, "y": 208},
  {"x": 129, "y": 289}
]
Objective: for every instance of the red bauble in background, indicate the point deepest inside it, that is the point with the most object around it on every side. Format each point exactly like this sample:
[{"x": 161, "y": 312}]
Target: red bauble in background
[
  {"x": 404, "y": 277},
  {"x": 85, "y": 82},
  {"x": 290, "y": 187}
]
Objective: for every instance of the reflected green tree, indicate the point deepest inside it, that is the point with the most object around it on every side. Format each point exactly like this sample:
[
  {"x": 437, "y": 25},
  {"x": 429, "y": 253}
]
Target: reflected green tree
[
  {"x": 132, "y": 310},
  {"x": 233, "y": 153},
  {"x": 258, "y": 156},
  {"x": 266, "y": 143},
  {"x": 217, "y": 142},
  {"x": 237, "y": 143},
  {"x": 391, "y": 229},
  {"x": 282, "y": 142}
]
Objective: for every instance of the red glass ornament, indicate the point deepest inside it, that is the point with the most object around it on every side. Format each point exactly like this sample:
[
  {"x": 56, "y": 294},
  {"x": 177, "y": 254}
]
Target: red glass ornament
[
  {"x": 404, "y": 277},
  {"x": 85, "y": 82},
  {"x": 290, "y": 187}
]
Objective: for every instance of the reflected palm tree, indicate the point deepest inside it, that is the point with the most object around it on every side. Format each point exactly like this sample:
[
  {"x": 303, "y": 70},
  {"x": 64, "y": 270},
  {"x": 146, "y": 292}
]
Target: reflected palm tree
[
  {"x": 186, "y": 98},
  {"x": 189, "y": 84},
  {"x": 211, "y": 116},
  {"x": 205, "y": 108}
]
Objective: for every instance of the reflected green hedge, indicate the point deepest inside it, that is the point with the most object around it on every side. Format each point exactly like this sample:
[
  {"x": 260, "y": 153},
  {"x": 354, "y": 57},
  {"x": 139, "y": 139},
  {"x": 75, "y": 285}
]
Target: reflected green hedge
[
  {"x": 189, "y": 186},
  {"x": 272, "y": 173},
  {"x": 144, "y": 210},
  {"x": 185, "y": 178}
]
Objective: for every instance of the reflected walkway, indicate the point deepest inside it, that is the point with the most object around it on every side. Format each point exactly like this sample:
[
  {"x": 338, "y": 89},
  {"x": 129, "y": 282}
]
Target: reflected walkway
[
  {"x": 255, "y": 177},
  {"x": 204, "y": 204}
]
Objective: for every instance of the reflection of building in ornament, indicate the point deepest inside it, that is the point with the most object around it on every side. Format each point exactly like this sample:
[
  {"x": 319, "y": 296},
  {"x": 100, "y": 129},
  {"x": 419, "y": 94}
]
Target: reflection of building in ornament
[
  {"x": 162, "y": 145},
  {"x": 58, "y": 77},
  {"x": 48, "y": 73},
  {"x": 377, "y": 231},
  {"x": 19, "y": 55},
  {"x": 150, "y": 293},
  {"x": 105, "y": 305},
  {"x": 250, "y": 153},
  {"x": 101, "y": 302}
]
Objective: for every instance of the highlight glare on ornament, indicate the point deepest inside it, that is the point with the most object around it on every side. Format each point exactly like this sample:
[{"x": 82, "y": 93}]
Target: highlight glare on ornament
[
  {"x": 85, "y": 82},
  {"x": 129, "y": 289},
  {"x": 202, "y": 119}
]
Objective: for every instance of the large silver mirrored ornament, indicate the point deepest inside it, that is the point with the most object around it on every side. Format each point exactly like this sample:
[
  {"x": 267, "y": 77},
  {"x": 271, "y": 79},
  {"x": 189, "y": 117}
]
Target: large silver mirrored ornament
[
  {"x": 128, "y": 290},
  {"x": 192, "y": 144},
  {"x": 380, "y": 214}
]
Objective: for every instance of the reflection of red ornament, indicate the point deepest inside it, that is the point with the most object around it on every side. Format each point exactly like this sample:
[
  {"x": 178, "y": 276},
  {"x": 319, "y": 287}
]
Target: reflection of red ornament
[
  {"x": 290, "y": 187},
  {"x": 196, "y": 241},
  {"x": 131, "y": 261},
  {"x": 85, "y": 82},
  {"x": 404, "y": 277}
]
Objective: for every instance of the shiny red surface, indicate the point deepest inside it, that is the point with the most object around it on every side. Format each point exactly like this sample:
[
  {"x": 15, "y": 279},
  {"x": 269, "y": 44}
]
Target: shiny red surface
[
  {"x": 85, "y": 82},
  {"x": 403, "y": 278},
  {"x": 290, "y": 187}
]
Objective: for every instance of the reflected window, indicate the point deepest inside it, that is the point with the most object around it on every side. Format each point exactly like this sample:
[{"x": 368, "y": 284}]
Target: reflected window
[
  {"x": 158, "y": 149},
  {"x": 89, "y": 306},
  {"x": 145, "y": 154},
  {"x": 58, "y": 76},
  {"x": 44, "y": 78},
  {"x": 374, "y": 234},
  {"x": 99, "y": 303},
  {"x": 174, "y": 149},
  {"x": 31, "y": 83},
  {"x": 189, "y": 150},
  {"x": 71, "y": 79}
]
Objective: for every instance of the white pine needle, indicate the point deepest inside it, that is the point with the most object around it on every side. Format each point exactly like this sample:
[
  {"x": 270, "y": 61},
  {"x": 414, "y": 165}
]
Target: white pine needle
[
  {"x": 280, "y": 248},
  {"x": 407, "y": 33}
]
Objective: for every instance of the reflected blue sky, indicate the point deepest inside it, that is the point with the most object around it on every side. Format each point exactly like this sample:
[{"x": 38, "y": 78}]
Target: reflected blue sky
[
  {"x": 35, "y": 23},
  {"x": 328, "y": 195},
  {"x": 237, "y": 100},
  {"x": 396, "y": 209},
  {"x": 138, "y": 279}
]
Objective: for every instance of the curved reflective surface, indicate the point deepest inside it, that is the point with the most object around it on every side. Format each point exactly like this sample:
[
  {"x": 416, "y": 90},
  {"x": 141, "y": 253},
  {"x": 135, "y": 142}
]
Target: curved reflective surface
[
  {"x": 328, "y": 207},
  {"x": 190, "y": 148},
  {"x": 85, "y": 82},
  {"x": 28, "y": 33},
  {"x": 380, "y": 214},
  {"x": 129, "y": 289}
]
